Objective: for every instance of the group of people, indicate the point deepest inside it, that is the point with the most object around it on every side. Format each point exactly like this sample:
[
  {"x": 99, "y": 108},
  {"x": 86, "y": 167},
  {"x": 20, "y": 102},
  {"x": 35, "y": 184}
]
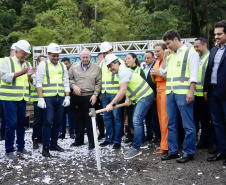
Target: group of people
[{"x": 181, "y": 89}]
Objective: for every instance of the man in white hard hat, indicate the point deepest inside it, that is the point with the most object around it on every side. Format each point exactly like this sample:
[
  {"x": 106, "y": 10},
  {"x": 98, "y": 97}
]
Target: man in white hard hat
[
  {"x": 136, "y": 90},
  {"x": 15, "y": 75},
  {"x": 53, "y": 95},
  {"x": 110, "y": 87}
]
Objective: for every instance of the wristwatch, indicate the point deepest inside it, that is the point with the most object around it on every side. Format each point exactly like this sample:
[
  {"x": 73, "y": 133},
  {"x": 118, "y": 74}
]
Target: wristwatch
[{"x": 113, "y": 104}]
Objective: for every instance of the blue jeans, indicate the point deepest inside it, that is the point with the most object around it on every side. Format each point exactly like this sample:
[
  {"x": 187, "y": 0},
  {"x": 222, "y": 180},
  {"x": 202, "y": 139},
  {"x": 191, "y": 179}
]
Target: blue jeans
[
  {"x": 218, "y": 113},
  {"x": 140, "y": 110},
  {"x": 15, "y": 118},
  {"x": 2, "y": 127},
  {"x": 52, "y": 119},
  {"x": 38, "y": 123},
  {"x": 112, "y": 120},
  {"x": 71, "y": 120},
  {"x": 176, "y": 104}
]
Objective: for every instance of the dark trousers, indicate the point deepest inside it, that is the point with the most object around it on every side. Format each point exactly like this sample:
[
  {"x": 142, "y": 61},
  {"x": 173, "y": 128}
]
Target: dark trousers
[
  {"x": 52, "y": 120},
  {"x": 152, "y": 121},
  {"x": 2, "y": 127},
  {"x": 38, "y": 122},
  {"x": 218, "y": 113},
  {"x": 80, "y": 106},
  {"x": 99, "y": 118},
  {"x": 15, "y": 117},
  {"x": 202, "y": 115},
  {"x": 71, "y": 121}
]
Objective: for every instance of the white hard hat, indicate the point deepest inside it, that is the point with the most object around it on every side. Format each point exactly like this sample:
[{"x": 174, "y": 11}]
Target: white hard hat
[
  {"x": 24, "y": 45},
  {"x": 110, "y": 58},
  {"x": 13, "y": 46},
  {"x": 105, "y": 46},
  {"x": 53, "y": 48}
]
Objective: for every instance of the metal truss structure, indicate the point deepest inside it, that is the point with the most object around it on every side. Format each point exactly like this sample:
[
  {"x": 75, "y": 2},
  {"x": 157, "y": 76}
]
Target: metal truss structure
[{"x": 94, "y": 47}]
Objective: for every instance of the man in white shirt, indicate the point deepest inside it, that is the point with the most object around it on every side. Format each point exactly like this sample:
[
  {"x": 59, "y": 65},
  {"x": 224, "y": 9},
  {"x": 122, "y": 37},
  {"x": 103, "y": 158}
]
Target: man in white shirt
[{"x": 182, "y": 76}]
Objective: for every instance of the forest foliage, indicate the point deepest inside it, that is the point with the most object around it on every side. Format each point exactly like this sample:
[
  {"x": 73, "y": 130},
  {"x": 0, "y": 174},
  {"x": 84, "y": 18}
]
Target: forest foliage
[{"x": 73, "y": 21}]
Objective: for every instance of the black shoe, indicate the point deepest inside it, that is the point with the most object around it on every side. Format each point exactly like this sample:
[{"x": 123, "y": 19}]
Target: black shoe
[
  {"x": 169, "y": 157},
  {"x": 116, "y": 146},
  {"x": 45, "y": 152},
  {"x": 105, "y": 143},
  {"x": 185, "y": 158},
  {"x": 91, "y": 147},
  {"x": 35, "y": 144},
  {"x": 201, "y": 145},
  {"x": 224, "y": 163},
  {"x": 101, "y": 136},
  {"x": 2, "y": 138},
  {"x": 129, "y": 138},
  {"x": 213, "y": 149},
  {"x": 56, "y": 148},
  {"x": 61, "y": 136},
  {"x": 76, "y": 144},
  {"x": 156, "y": 140},
  {"x": 72, "y": 136},
  {"x": 149, "y": 137},
  {"x": 217, "y": 157}
]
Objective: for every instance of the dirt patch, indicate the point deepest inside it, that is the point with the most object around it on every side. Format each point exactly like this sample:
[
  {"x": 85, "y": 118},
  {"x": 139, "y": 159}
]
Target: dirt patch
[{"x": 78, "y": 166}]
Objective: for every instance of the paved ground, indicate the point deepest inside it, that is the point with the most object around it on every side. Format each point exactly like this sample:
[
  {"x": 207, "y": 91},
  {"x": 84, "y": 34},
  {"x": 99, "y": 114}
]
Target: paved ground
[{"x": 78, "y": 166}]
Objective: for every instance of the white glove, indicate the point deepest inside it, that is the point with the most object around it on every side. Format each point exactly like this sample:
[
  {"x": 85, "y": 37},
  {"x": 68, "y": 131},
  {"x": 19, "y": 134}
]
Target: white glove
[
  {"x": 66, "y": 102},
  {"x": 41, "y": 103}
]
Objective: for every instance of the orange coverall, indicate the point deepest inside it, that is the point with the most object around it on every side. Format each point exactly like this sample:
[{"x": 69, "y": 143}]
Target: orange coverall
[{"x": 161, "y": 107}]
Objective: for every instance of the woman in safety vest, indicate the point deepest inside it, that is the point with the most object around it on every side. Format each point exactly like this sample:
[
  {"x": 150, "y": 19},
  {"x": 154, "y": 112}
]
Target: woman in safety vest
[{"x": 133, "y": 63}]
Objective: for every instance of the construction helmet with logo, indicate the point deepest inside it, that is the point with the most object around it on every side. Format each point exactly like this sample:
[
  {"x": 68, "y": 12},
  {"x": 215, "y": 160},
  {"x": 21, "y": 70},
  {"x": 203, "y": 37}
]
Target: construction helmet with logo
[
  {"x": 110, "y": 58},
  {"x": 13, "y": 46},
  {"x": 105, "y": 46},
  {"x": 53, "y": 48},
  {"x": 23, "y": 45}
]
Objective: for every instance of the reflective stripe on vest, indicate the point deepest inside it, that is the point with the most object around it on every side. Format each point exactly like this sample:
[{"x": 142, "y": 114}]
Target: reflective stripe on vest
[
  {"x": 12, "y": 91},
  {"x": 110, "y": 82},
  {"x": 172, "y": 82},
  {"x": 202, "y": 72},
  {"x": 137, "y": 87},
  {"x": 52, "y": 89}
]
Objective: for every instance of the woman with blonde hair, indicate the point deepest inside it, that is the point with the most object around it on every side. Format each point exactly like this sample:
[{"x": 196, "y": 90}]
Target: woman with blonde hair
[{"x": 160, "y": 81}]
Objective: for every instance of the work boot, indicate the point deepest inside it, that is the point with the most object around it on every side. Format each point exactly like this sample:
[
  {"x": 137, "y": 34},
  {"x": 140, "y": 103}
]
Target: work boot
[
  {"x": 35, "y": 144},
  {"x": 45, "y": 152}
]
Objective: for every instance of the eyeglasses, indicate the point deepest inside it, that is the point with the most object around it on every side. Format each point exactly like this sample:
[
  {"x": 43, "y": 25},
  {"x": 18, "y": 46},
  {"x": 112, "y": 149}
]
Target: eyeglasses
[{"x": 24, "y": 54}]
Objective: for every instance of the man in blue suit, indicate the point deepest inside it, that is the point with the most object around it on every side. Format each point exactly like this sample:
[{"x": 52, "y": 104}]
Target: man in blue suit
[{"x": 215, "y": 89}]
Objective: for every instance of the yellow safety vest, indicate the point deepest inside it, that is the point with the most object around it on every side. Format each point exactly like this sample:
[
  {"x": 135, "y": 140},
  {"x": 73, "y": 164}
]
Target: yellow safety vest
[
  {"x": 178, "y": 74},
  {"x": 202, "y": 71},
  {"x": 110, "y": 82},
  {"x": 19, "y": 88},
  {"x": 137, "y": 86},
  {"x": 53, "y": 82},
  {"x": 33, "y": 94}
]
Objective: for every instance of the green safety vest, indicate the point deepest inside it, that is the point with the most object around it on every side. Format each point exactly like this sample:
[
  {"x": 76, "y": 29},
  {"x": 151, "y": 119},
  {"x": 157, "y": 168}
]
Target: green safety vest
[
  {"x": 33, "y": 94},
  {"x": 137, "y": 86},
  {"x": 178, "y": 74},
  {"x": 110, "y": 82},
  {"x": 138, "y": 70},
  {"x": 19, "y": 88},
  {"x": 53, "y": 82},
  {"x": 202, "y": 71}
]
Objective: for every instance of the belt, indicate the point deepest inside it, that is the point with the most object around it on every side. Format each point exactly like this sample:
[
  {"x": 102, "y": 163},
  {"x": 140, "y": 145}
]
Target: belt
[{"x": 213, "y": 86}]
